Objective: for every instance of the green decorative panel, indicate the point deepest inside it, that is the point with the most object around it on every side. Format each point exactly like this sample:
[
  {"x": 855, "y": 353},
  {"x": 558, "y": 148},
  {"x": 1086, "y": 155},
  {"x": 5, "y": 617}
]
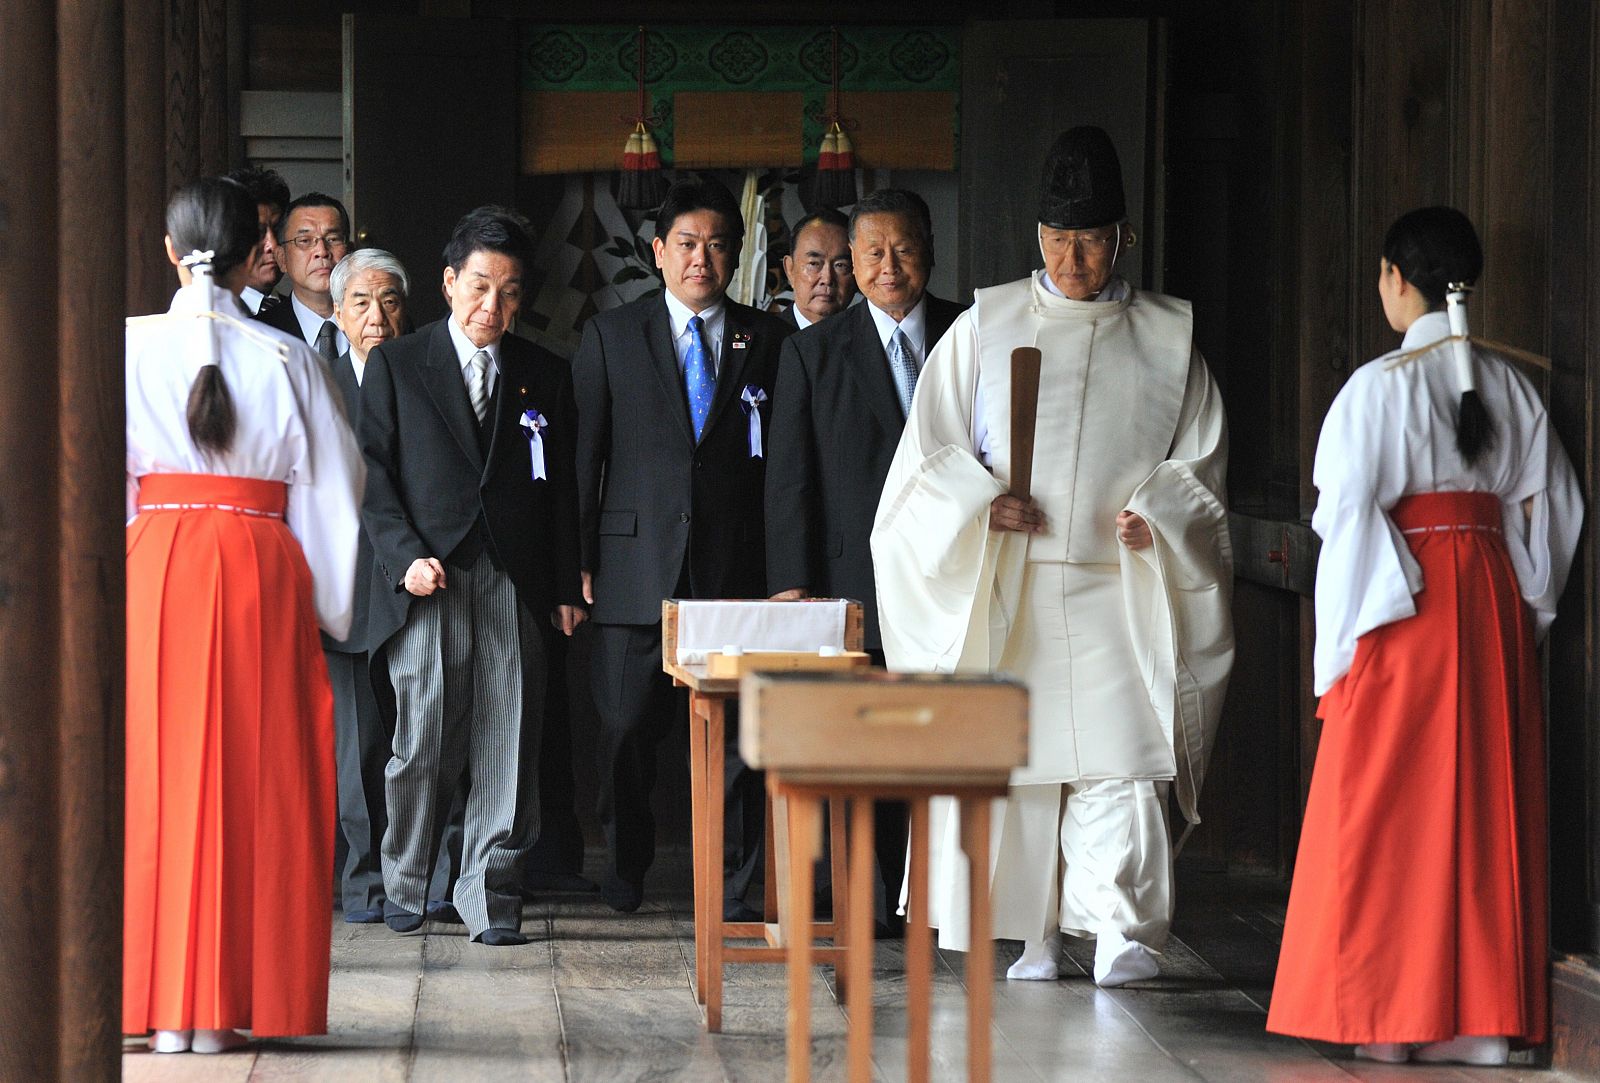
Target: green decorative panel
[{"x": 735, "y": 59}]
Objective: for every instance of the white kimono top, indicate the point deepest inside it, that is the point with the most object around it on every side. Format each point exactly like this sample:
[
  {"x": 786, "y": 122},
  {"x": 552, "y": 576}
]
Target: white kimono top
[
  {"x": 1129, "y": 417},
  {"x": 291, "y": 428},
  {"x": 1390, "y": 433}
]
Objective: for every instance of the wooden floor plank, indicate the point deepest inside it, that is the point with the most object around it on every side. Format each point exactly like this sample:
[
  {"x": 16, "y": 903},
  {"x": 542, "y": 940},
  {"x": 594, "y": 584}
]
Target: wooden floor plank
[
  {"x": 601, "y": 996},
  {"x": 488, "y": 1014},
  {"x": 142, "y": 1066},
  {"x": 626, "y": 1035}
]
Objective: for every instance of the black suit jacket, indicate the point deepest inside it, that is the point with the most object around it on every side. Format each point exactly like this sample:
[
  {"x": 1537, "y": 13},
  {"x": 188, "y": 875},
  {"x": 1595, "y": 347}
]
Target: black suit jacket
[
  {"x": 835, "y": 427},
  {"x": 344, "y": 377},
  {"x": 653, "y": 503},
  {"x": 433, "y": 475},
  {"x": 281, "y": 316}
]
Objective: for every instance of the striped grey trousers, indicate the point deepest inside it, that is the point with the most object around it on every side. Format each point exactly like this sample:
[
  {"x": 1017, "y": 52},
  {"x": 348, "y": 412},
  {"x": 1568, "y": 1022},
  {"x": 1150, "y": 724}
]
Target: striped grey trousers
[{"x": 468, "y": 671}]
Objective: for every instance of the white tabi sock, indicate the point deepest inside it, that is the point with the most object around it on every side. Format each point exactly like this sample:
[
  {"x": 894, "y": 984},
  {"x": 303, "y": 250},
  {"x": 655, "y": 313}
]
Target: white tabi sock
[
  {"x": 171, "y": 1041},
  {"x": 1465, "y": 1049},
  {"x": 1118, "y": 960},
  {"x": 218, "y": 1041},
  {"x": 1387, "y": 1052},
  {"x": 1038, "y": 962}
]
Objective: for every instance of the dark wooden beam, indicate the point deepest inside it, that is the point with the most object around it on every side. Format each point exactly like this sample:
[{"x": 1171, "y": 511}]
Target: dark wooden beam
[
  {"x": 30, "y": 916},
  {"x": 148, "y": 276},
  {"x": 89, "y": 473}
]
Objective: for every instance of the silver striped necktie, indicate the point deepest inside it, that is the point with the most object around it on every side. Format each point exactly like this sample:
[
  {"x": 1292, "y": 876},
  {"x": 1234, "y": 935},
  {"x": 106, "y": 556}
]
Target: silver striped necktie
[{"x": 478, "y": 391}]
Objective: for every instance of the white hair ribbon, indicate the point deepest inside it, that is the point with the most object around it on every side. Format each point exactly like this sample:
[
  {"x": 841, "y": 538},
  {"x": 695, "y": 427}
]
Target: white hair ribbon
[
  {"x": 533, "y": 424},
  {"x": 198, "y": 260},
  {"x": 1455, "y": 301},
  {"x": 752, "y": 398}
]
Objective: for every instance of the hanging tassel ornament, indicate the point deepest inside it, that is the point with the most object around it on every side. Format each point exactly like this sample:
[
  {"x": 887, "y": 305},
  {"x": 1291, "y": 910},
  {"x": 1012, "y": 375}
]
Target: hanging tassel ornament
[
  {"x": 642, "y": 186},
  {"x": 836, "y": 160}
]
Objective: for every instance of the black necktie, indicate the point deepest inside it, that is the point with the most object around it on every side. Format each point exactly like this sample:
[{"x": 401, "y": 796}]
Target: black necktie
[{"x": 328, "y": 341}]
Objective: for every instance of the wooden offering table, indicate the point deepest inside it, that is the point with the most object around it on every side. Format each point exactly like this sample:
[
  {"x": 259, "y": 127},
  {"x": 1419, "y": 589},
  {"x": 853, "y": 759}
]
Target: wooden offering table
[
  {"x": 875, "y": 735},
  {"x": 712, "y": 677}
]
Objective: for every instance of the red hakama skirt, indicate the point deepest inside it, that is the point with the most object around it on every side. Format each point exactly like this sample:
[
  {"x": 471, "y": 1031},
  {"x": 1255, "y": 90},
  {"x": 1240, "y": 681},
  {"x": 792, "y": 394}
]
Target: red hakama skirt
[
  {"x": 230, "y": 783},
  {"x": 1418, "y": 911}
]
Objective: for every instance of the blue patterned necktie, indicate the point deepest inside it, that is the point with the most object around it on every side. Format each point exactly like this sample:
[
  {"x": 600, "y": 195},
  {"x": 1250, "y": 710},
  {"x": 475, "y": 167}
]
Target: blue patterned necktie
[
  {"x": 904, "y": 368},
  {"x": 698, "y": 378}
]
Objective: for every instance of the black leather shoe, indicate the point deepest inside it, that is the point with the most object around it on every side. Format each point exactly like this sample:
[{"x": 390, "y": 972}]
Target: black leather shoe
[
  {"x": 363, "y": 917},
  {"x": 439, "y": 910},
  {"x": 500, "y": 938},
  {"x": 401, "y": 921},
  {"x": 620, "y": 895}
]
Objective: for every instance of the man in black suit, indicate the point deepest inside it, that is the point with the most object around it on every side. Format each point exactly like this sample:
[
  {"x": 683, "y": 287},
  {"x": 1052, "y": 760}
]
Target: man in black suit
[
  {"x": 369, "y": 289},
  {"x": 469, "y": 435},
  {"x": 271, "y": 194},
  {"x": 818, "y": 267},
  {"x": 670, "y": 486},
  {"x": 312, "y": 236},
  {"x": 844, "y": 388}
]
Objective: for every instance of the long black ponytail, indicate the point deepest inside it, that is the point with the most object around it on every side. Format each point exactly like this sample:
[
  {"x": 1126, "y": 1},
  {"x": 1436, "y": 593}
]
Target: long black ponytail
[
  {"x": 217, "y": 216},
  {"x": 1436, "y": 250}
]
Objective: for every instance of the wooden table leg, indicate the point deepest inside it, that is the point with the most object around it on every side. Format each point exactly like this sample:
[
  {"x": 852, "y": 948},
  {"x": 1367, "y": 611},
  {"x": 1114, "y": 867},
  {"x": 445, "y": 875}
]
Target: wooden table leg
[
  {"x": 859, "y": 948},
  {"x": 980, "y": 952},
  {"x": 804, "y": 841},
  {"x": 712, "y": 860},
  {"x": 698, "y": 793},
  {"x": 919, "y": 949},
  {"x": 769, "y": 889},
  {"x": 838, "y": 889}
]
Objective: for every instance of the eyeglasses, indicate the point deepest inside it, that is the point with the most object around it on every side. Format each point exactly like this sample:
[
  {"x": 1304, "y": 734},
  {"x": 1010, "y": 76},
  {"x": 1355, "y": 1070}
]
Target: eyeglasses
[
  {"x": 1093, "y": 241},
  {"x": 309, "y": 244}
]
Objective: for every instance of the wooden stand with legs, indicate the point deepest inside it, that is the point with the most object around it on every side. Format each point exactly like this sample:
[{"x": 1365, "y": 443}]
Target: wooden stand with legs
[
  {"x": 708, "y": 698},
  {"x": 881, "y": 736}
]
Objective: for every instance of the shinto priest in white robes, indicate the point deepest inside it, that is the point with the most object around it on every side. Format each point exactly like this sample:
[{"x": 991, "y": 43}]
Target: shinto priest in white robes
[{"x": 1126, "y": 653}]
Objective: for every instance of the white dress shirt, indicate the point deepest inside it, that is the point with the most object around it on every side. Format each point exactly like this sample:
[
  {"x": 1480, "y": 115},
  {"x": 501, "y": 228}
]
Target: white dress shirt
[
  {"x": 466, "y": 351},
  {"x": 251, "y": 298},
  {"x": 311, "y": 325},
  {"x": 915, "y": 327},
  {"x": 712, "y": 318}
]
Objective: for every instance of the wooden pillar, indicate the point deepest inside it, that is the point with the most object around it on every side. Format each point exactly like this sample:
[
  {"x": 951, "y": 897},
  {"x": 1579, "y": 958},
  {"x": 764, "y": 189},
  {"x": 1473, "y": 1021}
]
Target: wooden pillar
[
  {"x": 182, "y": 95},
  {"x": 89, "y": 453},
  {"x": 30, "y": 1005},
  {"x": 148, "y": 276},
  {"x": 1574, "y": 320}
]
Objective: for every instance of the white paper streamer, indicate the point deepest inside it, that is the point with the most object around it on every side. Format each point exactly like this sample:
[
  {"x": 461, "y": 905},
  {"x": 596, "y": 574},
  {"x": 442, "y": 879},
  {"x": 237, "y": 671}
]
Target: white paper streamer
[{"x": 1455, "y": 303}]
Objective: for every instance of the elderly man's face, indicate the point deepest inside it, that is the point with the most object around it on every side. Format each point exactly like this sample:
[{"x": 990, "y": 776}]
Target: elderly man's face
[
  {"x": 313, "y": 241},
  {"x": 698, "y": 258},
  {"x": 819, "y": 270},
  {"x": 485, "y": 296},
  {"x": 264, "y": 272},
  {"x": 892, "y": 261},
  {"x": 1079, "y": 261},
  {"x": 372, "y": 310}
]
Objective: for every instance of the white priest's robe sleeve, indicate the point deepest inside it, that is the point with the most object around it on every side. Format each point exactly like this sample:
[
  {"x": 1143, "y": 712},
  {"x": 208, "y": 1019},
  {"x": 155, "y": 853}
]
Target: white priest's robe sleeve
[
  {"x": 324, "y": 496},
  {"x": 1179, "y": 591},
  {"x": 947, "y": 585}
]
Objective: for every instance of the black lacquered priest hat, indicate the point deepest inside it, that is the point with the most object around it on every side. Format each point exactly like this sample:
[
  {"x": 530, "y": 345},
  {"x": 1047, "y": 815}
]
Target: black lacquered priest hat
[{"x": 1082, "y": 185}]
